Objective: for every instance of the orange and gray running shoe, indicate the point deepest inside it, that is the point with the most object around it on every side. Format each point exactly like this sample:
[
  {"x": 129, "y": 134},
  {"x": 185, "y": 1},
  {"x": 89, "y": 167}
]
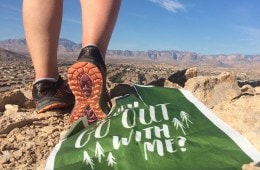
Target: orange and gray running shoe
[
  {"x": 49, "y": 95},
  {"x": 87, "y": 80}
]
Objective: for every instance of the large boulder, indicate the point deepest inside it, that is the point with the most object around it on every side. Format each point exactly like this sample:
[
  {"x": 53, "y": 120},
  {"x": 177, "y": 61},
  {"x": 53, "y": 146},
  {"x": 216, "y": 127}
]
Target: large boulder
[
  {"x": 178, "y": 77},
  {"x": 181, "y": 76},
  {"x": 191, "y": 72},
  {"x": 242, "y": 114},
  {"x": 215, "y": 89},
  {"x": 248, "y": 90}
]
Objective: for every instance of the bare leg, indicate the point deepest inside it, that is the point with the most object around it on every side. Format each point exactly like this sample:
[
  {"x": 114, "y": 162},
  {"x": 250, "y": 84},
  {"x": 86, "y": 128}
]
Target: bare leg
[
  {"x": 98, "y": 21},
  {"x": 42, "y": 22}
]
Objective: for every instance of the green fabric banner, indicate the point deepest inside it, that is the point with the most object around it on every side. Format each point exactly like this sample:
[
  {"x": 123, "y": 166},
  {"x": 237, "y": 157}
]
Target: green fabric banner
[{"x": 157, "y": 129}]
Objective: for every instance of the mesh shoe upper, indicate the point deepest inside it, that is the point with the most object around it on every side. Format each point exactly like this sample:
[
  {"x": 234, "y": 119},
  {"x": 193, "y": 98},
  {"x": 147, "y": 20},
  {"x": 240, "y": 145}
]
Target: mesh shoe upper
[{"x": 51, "y": 95}]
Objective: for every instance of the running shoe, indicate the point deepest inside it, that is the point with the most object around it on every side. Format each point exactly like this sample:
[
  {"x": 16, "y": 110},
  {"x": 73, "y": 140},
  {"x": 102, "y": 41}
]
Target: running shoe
[
  {"x": 49, "y": 95},
  {"x": 87, "y": 80}
]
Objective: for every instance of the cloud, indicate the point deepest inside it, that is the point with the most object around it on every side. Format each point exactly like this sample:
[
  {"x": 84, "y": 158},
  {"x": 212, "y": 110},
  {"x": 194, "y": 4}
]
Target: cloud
[
  {"x": 250, "y": 31},
  {"x": 170, "y": 5},
  {"x": 251, "y": 36}
]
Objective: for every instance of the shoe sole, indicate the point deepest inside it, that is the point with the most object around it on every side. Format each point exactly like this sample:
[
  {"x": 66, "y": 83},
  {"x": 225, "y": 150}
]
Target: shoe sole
[
  {"x": 52, "y": 107},
  {"x": 86, "y": 83}
]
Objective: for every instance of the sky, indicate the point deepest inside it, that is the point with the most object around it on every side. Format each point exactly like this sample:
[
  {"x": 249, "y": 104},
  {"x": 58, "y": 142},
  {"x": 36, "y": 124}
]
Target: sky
[{"x": 201, "y": 26}]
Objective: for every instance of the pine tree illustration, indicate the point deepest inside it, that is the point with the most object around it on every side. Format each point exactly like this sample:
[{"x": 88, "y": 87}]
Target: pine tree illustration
[
  {"x": 185, "y": 118},
  {"x": 111, "y": 159},
  {"x": 178, "y": 124},
  {"x": 99, "y": 152},
  {"x": 88, "y": 160}
]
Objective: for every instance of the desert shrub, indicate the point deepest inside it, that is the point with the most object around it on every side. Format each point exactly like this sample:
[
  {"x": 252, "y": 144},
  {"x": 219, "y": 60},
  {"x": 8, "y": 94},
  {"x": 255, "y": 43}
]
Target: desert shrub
[
  {"x": 141, "y": 78},
  {"x": 117, "y": 78}
]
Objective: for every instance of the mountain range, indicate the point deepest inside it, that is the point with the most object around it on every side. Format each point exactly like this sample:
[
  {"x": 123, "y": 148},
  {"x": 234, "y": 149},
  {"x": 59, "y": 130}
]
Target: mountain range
[
  {"x": 69, "y": 50},
  {"x": 10, "y": 55}
]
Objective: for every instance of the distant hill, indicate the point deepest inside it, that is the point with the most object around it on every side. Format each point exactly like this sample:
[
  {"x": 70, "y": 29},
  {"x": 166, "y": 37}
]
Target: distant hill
[
  {"x": 15, "y": 45},
  {"x": 9, "y": 55},
  {"x": 68, "y": 44},
  {"x": 174, "y": 56},
  {"x": 68, "y": 49}
]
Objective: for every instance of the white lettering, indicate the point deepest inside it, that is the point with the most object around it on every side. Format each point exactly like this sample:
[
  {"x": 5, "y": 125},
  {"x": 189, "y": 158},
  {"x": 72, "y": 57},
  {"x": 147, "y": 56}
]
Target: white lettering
[
  {"x": 152, "y": 114},
  {"x": 148, "y": 132},
  {"x": 99, "y": 128},
  {"x": 142, "y": 117},
  {"x": 138, "y": 136},
  {"x": 181, "y": 143},
  {"x": 78, "y": 141},
  {"x": 169, "y": 145},
  {"x": 136, "y": 104},
  {"x": 164, "y": 110},
  {"x": 125, "y": 120},
  {"x": 164, "y": 130},
  {"x": 151, "y": 147},
  {"x": 123, "y": 140}
]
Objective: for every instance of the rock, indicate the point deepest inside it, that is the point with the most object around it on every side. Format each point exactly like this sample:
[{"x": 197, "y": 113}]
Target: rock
[
  {"x": 12, "y": 139},
  {"x": 178, "y": 77},
  {"x": 29, "y": 145},
  {"x": 215, "y": 89},
  {"x": 31, "y": 157},
  {"x": 50, "y": 143},
  {"x": 160, "y": 82},
  {"x": 248, "y": 90},
  {"x": 18, "y": 124},
  {"x": 41, "y": 167},
  {"x": 251, "y": 166},
  {"x": 10, "y": 109},
  {"x": 192, "y": 72},
  {"x": 48, "y": 129},
  {"x": 181, "y": 76},
  {"x": 242, "y": 114},
  {"x": 38, "y": 152},
  {"x": 5, "y": 145},
  {"x": 16, "y": 97},
  {"x": 121, "y": 90},
  {"x": 31, "y": 133},
  {"x": 5, "y": 158},
  {"x": 257, "y": 90},
  {"x": 169, "y": 84},
  {"x": 63, "y": 134},
  {"x": 17, "y": 154},
  {"x": 27, "y": 91},
  {"x": 29, "y": 104}
]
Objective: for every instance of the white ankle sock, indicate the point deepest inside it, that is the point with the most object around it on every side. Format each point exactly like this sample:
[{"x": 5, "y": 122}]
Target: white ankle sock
[{"x": 47, "y": 78}]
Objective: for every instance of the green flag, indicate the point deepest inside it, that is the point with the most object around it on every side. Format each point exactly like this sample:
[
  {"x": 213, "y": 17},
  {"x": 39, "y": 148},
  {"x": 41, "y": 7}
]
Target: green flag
[{"x": 154, "y": 128}]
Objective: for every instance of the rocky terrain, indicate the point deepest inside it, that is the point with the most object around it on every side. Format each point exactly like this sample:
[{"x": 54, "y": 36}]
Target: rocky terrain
[{"x": 26, "y": 138}]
